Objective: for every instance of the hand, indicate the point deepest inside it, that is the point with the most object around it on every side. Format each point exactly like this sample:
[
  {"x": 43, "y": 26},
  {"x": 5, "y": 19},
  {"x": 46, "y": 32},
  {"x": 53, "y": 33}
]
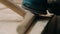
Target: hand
[{"x": 46, "y": 15}]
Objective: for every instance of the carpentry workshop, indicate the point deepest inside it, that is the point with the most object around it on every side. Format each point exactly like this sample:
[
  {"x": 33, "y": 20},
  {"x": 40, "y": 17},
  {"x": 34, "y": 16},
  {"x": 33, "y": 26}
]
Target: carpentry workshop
[{"x": 29, "y": 16}]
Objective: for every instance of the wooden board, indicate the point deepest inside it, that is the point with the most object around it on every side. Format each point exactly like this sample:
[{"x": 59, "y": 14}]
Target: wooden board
[{"x": 14, "y": 7}]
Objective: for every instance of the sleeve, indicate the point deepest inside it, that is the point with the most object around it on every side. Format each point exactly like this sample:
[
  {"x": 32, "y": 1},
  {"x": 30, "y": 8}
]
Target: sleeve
[{"x": 35, "y": 6}]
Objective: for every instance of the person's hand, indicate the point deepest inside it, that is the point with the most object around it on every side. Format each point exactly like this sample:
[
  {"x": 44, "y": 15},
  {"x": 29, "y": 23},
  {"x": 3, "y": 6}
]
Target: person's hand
[{"x": 46, "y": 15}]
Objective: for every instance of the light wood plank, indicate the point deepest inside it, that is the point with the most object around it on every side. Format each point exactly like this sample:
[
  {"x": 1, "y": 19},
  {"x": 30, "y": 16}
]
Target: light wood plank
[{"x": 13, "y": 7}]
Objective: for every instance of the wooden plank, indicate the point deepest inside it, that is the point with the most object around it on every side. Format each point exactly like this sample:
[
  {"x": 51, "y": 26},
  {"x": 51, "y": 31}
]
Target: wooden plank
[
  {"x": 37, "y": 26},
  {"x": 14, "y": 7},
  {"x": 28, "y": 16},
  {"x": 25, "y": 23}
]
